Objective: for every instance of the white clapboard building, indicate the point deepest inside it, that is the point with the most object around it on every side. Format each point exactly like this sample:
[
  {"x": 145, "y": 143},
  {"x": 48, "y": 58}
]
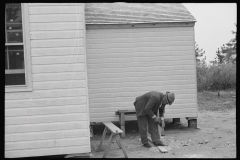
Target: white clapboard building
[{"x": 69, "y": 64}]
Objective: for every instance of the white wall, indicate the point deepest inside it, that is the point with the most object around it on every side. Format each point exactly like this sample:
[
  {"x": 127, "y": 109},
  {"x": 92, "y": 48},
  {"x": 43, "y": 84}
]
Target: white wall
[
  {"x": 53, "y": 118},
  {"x": 124, "y": 63}
]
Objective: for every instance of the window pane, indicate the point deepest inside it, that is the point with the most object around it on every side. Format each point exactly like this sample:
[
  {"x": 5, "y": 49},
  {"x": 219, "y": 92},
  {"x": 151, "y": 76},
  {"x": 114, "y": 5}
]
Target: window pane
[
  {"x": 14, "y": 37},
  {"x": 13, "y": 13},
  {"x": 15, "y": 79},
  {"x": 11, "y": 27},
  {"x": 16, "y": 59}
]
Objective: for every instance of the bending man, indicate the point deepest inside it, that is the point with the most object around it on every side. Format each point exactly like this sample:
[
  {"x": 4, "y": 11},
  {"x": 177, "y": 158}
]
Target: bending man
[{"x": 146, "y": 107}]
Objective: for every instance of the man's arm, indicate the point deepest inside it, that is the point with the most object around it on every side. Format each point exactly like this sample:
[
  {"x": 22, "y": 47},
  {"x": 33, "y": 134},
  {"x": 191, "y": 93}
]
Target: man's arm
[
  {"x": 148, "y": 108},
  {"x": 161, "y": 112}
]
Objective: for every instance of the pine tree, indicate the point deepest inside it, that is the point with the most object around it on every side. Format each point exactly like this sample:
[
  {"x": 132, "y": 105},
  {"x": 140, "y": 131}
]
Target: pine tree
[{"x": 199, "y": 54}]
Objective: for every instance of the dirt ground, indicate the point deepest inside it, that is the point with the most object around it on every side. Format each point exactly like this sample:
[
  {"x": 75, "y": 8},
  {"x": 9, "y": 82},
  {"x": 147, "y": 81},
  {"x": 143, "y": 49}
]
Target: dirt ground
[{"x": 215, "y": 136}]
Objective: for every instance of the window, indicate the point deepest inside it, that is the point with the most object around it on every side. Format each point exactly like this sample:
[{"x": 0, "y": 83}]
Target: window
[{"x": 16, "y": 46}]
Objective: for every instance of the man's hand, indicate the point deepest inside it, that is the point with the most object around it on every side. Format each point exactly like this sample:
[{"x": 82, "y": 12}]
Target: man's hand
[
  {"x": 162, "y": 121},
  {"x": 157, "y": 119},
  {"x": 163, "y": 124}
]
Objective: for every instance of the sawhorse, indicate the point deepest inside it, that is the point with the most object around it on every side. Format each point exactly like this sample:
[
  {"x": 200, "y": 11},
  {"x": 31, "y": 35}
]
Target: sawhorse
[{"x": 115, "y": 131}]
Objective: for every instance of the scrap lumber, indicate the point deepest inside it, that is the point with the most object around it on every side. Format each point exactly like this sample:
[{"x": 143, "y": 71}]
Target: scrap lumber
[{"x": 162, "y": 149}]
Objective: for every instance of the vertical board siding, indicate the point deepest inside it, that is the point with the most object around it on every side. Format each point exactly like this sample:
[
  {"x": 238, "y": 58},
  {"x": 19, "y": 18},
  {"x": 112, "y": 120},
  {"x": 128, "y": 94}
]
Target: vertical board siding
[
  {"x": 125, "y": 63},
  {"x": 53, "y": 118}
]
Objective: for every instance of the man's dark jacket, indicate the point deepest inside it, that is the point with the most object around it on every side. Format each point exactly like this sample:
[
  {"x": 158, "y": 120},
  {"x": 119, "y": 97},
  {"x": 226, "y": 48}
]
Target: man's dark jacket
[{"x": 149, "y": 103}]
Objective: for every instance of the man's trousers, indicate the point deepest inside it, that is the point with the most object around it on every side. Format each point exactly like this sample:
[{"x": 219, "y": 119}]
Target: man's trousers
[{"x": 147, "y": 125}]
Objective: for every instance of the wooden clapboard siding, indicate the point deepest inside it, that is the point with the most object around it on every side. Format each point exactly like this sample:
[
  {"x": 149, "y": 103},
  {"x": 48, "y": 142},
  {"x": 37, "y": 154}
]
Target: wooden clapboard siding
[
  {"x": 42, "y": 77},
  {"x": 126, "y": 63},
  {"x": 49, "y": 151},
  {"x": 38, "y": 94},
  {"x": 53, "y": 118},
  {"x": 58, "y": 60},
  {"x": 38, "y": 52},
  {"x": 46, "y": 143},
  {"x": 55, "y": 10},
  {"x": 57, "y": 26},
  {"x": 49, "y": 110},
  {"x": 28, "y": 128},
  {"x": 54, "y": 4},
  {"x": 59, "y": 101},
  {"x": 47, "y": 135},
  {"x": 56, "y": 18},
  {"x": 56, "y": 34},
  {"x": 113, "y": 109},
  {"x": 36, "y": 119}
]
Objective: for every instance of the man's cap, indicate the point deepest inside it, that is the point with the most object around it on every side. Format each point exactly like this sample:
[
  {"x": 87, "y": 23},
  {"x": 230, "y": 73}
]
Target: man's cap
[{"x": 170, "y": 97}]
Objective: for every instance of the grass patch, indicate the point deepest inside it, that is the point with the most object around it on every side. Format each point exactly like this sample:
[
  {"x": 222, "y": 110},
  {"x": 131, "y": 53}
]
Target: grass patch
[{"x": 208, "y": 100}]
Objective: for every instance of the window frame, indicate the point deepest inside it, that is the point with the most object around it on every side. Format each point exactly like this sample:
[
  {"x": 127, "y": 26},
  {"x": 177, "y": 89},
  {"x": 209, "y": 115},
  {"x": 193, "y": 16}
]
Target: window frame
[{"x": 27, "y": 54}]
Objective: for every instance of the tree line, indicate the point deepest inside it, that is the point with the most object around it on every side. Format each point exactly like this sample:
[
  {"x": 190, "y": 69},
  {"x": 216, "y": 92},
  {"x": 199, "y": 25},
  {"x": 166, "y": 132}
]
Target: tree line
[{"x": 220, "y": 74}]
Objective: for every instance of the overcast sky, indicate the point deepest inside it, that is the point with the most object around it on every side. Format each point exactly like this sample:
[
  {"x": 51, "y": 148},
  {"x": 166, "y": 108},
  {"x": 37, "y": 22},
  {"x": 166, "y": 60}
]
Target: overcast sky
[{"x": 215, "y": 21}]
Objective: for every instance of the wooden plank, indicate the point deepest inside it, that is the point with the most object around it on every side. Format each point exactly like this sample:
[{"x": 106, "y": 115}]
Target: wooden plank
[
  {"x": 112, "y": 119},
  {"x": 143, "y": 31},
  {"x": 48, "y": 135},
  {"x": 175, "y": 107},
  {"x": 142, "y": 54},
  {"x": 27, "y": 128},
  {"x": 58, "y": 68},
  {"x": 135, "y": 94},
  {"x": 58, "y": 59},
  {"x": 119, "y": 40},
  {"x": 47, "y": 151},
  {"x": 113, "y": 25},
  {"x": 57, "y": 43},
  {"x": 55, "y": 4},
  {"x": 138, "y": 59},
  {"x": 59, "y": 51},
  {"x": 137, "y": 34},
  {"x": 70, "y": 84},
  {"x": 56, "y": 26},
  {"x": 56, "y": 18},
  {"x": 46, "y": 143},
  {"x": 49, "y": 110},
  {"x": 190, "y": 98},
  {"x": 142, "y": 79},
  {"x": 143, "y": 89},
  {"x": 70, "y": 92},
  {"x": 142, "y": 74},
  {"x": 62, "y": 76},
  {"x": 130, "y": 118},
  {"x": 139, "y": 84},
  {"x": 114, "y": 129},
  {"x": 141, "y": 44},
  {"x": 102, "y": 139},
  {"x": 141, "y": 49},
  {"x": 140, "y": 32},
  {"x": 45, "y": 102},
  {"x": 162, "y": 149},
  {"x": 37, "y": 119},
  {"x": 55, "y": 9},
  {"x": 126, "y": 112},
  {"x": 167, "y": 111},
  {"x": 130, "y": 101},
  {"x": 141, "y": 69},
  {"x": 141, "y": 64},
  {"x": 79, "y": 155},
  {"x": 56, "y": 34}
]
